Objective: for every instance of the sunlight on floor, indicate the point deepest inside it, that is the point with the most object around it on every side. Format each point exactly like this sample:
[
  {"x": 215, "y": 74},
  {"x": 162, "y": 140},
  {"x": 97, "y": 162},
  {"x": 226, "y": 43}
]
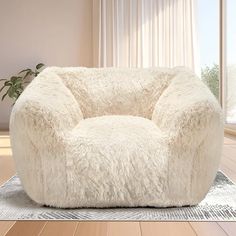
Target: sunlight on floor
[{"x": 5, "y": 146}]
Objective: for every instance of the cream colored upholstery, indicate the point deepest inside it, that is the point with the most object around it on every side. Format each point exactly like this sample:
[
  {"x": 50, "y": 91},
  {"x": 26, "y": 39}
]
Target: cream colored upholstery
[{"x": 116, "y": 137}]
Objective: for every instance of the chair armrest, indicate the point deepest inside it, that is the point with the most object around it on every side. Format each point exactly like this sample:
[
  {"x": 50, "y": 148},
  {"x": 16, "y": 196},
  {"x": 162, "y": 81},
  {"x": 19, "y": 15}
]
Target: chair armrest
[
  {"x": 41, "y": 120},
  {"x": 46, "y": 108},
  {"x": 192, "y": 121},
  {"x": 187, "y": 110}
]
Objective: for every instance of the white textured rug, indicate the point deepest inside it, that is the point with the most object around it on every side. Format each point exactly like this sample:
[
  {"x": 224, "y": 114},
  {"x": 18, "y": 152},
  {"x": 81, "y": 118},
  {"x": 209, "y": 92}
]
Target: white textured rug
[{"x": 219, "y": 205}]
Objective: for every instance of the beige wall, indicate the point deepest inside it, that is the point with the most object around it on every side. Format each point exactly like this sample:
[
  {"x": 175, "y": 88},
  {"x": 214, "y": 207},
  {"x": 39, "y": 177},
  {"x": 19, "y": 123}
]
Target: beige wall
[{"x": 55, "y": 32}]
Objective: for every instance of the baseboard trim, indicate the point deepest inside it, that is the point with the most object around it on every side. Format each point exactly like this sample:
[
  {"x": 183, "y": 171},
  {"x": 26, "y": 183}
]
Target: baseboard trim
[{"x": 4, "y": 127}]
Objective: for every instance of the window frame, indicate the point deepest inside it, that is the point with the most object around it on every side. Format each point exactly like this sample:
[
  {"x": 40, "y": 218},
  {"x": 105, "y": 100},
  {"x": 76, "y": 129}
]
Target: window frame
[{"x": 229, "y": 128}]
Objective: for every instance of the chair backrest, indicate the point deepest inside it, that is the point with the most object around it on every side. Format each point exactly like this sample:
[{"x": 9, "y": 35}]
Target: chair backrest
[{"x": 116, "y": 91}]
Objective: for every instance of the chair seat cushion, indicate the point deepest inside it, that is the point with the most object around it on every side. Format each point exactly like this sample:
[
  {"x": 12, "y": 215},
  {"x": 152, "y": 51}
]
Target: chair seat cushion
[
  {"x": 117, "y": 130},
  {"x": 117, "y": 160}
]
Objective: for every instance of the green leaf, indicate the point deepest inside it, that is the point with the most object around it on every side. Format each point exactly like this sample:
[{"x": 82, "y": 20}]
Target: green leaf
[
  {"x": 19, "y": 91},
  {"x": 18, "y": 82},
  {"x": 2, "y": 88},
  {"x": 15, "y": 78},
  {"x": 27, "y": 74},
  {"x": 5, "y": 94},
  {"x": 11, "y": 92},
  {"x": 210, "y": 76},
  {"x": 15, "y": 85},
  {"x": 40, "y": 65},
  {"x": 8, "y": 83},
  {"x": 24, "y": 71}
]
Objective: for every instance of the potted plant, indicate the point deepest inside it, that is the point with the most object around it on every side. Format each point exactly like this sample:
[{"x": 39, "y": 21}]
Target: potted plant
[{"x": 14, "y": 86}]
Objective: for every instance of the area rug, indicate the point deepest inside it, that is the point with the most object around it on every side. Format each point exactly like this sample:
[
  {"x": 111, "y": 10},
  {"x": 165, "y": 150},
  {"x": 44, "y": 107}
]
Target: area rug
[{"x": 218, "y": 205}]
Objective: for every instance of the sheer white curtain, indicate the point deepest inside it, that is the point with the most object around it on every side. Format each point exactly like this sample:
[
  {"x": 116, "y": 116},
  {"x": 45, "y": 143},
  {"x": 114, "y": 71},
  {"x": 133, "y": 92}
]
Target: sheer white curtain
[{"x": 144, "y": 33}]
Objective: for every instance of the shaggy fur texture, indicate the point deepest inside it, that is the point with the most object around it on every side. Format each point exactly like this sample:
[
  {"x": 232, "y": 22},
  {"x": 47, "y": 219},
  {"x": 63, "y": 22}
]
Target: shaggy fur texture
[{"x": 116, "y": 137}]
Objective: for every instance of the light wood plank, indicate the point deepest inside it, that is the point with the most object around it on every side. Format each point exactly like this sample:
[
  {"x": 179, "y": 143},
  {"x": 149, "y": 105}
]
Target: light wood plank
[
  {"x": 229, "y": 163},
  {"x": 7, "y": 168},
  {"x": 5, "y": 145},
  {"x": 230, "y": 151},
  {"x": 229, "y": 139},
  {"x": 123, "y": 229},
  {"x": 26, "y": 228},
  {"x": 206, "y": 228},
  {"x": 5, "y": 151},
  {"x": 91, "y": 229},
  {"x": 5, "y": 227},
  {"x": 167, "y": 229},
  {"x": 59, "y": 228},
  {"x": 228, "y": 227},
  {"x": 230, "y": 173},
  {"x": 5, "y": 142}
]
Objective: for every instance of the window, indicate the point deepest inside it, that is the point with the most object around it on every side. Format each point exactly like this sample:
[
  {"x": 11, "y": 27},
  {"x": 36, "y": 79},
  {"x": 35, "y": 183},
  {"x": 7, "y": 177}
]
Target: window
[
  {"x": 208, "y": 37},
  {"x": 230, "y": 62}
]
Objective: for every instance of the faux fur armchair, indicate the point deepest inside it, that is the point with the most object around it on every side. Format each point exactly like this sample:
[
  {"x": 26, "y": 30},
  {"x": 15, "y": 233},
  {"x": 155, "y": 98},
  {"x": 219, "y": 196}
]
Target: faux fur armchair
[{"x": 116, "y": 137}]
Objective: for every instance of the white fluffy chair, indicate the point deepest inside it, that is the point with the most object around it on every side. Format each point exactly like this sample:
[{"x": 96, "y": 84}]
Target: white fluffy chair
[{"x": 116, "y": 137}]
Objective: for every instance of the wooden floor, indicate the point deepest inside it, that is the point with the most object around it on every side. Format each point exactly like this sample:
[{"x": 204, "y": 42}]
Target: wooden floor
[{"x": 49, "y": 228}]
